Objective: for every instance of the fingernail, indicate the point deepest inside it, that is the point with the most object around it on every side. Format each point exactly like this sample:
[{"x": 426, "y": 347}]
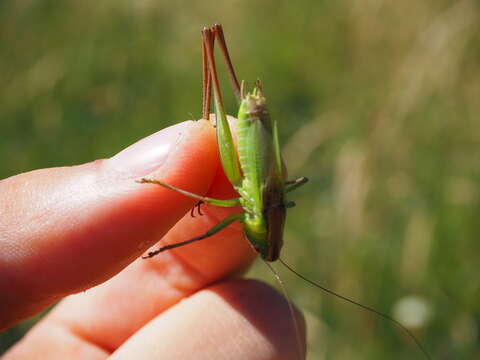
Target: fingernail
[{"x": 148, "y": 154}]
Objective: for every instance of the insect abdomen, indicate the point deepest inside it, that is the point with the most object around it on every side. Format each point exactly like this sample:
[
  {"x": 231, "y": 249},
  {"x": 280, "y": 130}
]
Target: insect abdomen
[{"x": 255, "y": 146}]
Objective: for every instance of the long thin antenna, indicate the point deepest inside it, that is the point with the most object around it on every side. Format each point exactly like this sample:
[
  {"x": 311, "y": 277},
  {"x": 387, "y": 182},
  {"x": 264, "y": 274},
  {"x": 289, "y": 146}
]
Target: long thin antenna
[
  {"x": 385, "y": 316},
  {"x": 300, "y": 348}
]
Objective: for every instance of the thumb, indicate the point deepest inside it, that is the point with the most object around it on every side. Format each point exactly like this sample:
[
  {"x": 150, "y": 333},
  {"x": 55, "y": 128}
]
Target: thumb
[{"x": 63, "y": 230}]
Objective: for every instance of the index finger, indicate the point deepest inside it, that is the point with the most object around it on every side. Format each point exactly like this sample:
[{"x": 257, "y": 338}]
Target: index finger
[
  {"x": 109, "y": 314},
  {"x": 63, "y": 230},
  {"x": 112, "y": 312}
]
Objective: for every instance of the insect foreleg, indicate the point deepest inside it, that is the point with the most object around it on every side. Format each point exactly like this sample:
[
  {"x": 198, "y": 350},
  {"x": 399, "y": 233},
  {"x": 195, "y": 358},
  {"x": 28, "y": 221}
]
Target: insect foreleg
[
  {"x": 221, "y": 225},
  {"x": 293, "y": 184},
  {"x": 210, "y": 201}
]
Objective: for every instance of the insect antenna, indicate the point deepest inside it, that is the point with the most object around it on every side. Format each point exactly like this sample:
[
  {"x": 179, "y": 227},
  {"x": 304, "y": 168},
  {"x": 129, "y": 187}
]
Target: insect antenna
[
  {"x": 300, "y": 347},
  {"x": 365, "y": 307}
]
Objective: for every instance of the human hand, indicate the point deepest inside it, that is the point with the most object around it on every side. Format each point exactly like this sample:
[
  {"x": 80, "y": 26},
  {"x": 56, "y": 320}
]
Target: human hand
[{"x": 81, "y": 230}]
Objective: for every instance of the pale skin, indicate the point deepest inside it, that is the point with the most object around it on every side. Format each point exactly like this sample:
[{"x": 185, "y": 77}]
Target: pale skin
[{"x": 81, "y": 230}]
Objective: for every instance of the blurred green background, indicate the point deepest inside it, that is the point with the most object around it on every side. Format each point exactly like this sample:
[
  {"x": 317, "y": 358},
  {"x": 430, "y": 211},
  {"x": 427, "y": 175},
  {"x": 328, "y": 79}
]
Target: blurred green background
[{"x": 378, "y": 105}]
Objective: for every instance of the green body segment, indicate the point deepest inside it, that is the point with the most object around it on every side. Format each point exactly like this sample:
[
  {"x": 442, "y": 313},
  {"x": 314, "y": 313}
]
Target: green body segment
[{"x": 261, "y": 188}]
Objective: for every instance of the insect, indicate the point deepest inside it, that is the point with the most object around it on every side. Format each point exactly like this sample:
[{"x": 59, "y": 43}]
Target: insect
[{"x": 259, "y": 174}]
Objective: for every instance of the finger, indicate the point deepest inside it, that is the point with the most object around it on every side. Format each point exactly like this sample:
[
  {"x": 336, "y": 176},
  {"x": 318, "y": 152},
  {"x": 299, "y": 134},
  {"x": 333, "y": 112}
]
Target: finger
[
  {"x": 107, "y": 315},
  {"x": 231, "y": 320},
  {"x": 104, "y": 317},
  {"x": 63, "y": 230}
]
